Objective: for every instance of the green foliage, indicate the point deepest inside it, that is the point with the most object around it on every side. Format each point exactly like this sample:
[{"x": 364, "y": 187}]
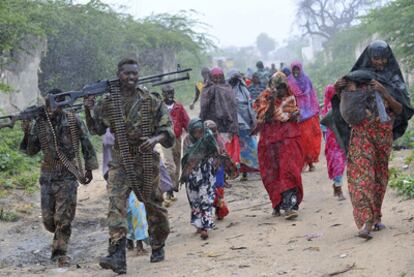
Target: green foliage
[
  {"x": 8, "y": 216},
  {"x": 16, "y": 169},
  {"x": 392, "y": 23},
  {"x": 395, "y": 23},
  {"x": 85, "y": 42},
  {"x": 403, "y": 183},
  {"x": 337, "y": 58}
]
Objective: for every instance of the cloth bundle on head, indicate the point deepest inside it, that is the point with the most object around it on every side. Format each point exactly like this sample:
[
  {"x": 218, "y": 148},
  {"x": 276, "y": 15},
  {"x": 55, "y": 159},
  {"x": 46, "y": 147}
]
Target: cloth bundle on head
[
  {"x": 304, "y": 92},
  {"x": 196, "y": 150},
  {"x": 280, "y": 109}
]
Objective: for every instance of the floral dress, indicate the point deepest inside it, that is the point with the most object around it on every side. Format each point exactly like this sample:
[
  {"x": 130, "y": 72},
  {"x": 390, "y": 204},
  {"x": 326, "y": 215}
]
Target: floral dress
[
  {"x": 369, "y": 152},
  {"x": 200, "y": 193}
]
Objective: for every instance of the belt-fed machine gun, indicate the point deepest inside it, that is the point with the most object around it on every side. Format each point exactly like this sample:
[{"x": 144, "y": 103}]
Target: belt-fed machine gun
[
  {"x": 102, "y": 87},
  {"x": 31, "y": 113}
]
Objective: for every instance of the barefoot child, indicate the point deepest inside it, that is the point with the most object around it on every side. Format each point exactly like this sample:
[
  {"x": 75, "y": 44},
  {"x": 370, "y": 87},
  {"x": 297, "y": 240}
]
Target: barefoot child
[{"x": 198, "y": 174}]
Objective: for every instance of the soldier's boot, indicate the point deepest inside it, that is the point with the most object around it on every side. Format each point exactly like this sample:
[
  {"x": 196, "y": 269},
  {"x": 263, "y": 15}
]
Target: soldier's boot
[
  {"x": 116, "y": 259},
  {"x": 157, "y": 255}
]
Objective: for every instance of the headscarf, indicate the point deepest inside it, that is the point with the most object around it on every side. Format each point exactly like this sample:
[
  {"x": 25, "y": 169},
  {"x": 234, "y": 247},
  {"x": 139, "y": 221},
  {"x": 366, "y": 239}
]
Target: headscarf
[
  {"x": 219, "y": 104},
  {"x": 245, "y": 114},
  {"x": 391, "y": 77},
  {"x": 304, "y": 92},
  {"x": 286, "y": 71},
  {"x": 328, "y": 94},
  {"x": 216, "y": 71},
  {"x": 196, "y": 150},
  {"x": 280, "y": 109}
]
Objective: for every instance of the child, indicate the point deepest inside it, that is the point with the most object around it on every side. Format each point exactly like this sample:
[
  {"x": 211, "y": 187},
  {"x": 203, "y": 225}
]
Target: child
[
  {"x": 221, "y": 207},
  {"x": 137, "y": 225},
  {"x": 198, "y": 166}
]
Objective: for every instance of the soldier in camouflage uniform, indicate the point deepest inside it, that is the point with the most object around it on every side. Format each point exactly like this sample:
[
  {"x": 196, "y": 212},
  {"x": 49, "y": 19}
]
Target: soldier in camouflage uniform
[
  {"x": 58, "y": 185},
  {"x": 98, "y": 119}
]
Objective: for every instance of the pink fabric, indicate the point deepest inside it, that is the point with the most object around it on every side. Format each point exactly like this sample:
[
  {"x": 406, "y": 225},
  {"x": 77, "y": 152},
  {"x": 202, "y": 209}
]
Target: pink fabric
[
  {"x": 335, "y": 156},
  {"x": 304, "y": 92},
  {"x": 328, "y": 94},
  {"x": 216, "y": 71}
]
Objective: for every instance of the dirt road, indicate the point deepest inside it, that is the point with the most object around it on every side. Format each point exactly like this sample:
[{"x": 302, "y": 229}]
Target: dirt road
[{"x": 249, "y": 242}]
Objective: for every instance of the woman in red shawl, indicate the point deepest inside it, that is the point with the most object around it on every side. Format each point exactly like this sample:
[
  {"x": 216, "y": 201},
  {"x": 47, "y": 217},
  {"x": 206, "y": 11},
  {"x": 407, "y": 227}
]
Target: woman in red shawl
[
  {"x": 308, "y": 103},
  {"x": 335, "y": 155},
  {"x": 280, "y": 152}
]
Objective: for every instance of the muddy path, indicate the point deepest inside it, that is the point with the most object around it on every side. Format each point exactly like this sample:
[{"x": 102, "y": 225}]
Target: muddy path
[{"x": 249, "y": 242}]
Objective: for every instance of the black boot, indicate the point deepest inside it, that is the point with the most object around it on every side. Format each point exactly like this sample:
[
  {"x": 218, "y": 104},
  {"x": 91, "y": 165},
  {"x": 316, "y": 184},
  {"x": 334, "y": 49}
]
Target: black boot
[
  {"x": 157, "y": 255},
  {"x": 116, "y": 259}
]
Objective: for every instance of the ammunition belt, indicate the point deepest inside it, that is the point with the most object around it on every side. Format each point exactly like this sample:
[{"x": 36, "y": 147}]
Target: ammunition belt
[
  {"x": 69, "y": 165},
  {"x": 121, "y": 141},
  {"x": 147, "y": 159},
  {"x": 54, "y": 166}
]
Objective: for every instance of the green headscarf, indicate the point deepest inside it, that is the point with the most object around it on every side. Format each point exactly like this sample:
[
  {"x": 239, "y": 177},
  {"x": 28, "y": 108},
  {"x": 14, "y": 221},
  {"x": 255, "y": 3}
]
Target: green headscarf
[{"x": 201, "y": 148}]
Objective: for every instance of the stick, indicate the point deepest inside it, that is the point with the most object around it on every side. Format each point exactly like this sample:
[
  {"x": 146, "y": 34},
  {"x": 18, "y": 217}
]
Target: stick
[{"x": 348, "y": 268}]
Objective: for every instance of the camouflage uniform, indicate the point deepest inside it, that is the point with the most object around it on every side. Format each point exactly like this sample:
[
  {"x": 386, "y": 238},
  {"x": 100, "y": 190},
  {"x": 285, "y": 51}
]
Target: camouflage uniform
[
  {"x": 118, "y": 186},
  {"x": 58, "y": 185}
]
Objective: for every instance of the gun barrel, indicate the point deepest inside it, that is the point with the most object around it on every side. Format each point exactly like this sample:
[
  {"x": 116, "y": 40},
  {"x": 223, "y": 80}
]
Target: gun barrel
[
  {"x": 169, "y": 81},
  {"x": 158, "y": 77}
]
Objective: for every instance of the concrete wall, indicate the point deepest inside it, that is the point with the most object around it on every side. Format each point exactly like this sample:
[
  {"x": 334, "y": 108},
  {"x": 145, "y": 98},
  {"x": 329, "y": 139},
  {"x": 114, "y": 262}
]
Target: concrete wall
[{"x": 20, "y": 72}]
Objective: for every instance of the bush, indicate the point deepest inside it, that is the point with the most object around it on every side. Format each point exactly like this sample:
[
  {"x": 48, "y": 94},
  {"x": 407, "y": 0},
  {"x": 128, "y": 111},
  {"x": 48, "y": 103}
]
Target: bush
[{"x": 16, "y": 169}]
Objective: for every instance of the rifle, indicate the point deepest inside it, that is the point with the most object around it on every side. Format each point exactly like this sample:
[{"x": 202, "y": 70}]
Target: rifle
[
  {"x": 27, "y": 114},
  {"x": 102, "y": 87},
  {"x": 31, "y": 113}
]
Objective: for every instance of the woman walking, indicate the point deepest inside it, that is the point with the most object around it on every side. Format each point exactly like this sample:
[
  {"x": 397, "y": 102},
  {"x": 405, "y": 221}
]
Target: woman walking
[
  {"x": 198, "y": 174},
  {"x": 280, "y": 152}
]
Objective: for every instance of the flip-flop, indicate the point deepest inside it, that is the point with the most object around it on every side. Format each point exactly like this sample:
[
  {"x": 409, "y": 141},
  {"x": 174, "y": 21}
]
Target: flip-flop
[
  {"x": 291, "y": 215},
  {"x": 379, "y": 227},
  {"x": 365, "y": 235}
]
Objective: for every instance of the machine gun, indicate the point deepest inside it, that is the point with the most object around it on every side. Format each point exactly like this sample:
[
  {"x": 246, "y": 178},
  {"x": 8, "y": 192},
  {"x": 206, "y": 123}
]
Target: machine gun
[
  {"x": 28, "y": 114},
  {"x": 31, "y": 113},
  {"x": 102, "y": 87}
]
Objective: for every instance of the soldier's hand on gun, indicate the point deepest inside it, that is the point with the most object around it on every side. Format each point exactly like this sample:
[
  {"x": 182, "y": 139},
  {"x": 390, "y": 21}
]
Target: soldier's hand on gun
[
  {"x": 88, "y": 176},
  {"x": 89, "y": 102},
  {"x": 26, "y": 124}
]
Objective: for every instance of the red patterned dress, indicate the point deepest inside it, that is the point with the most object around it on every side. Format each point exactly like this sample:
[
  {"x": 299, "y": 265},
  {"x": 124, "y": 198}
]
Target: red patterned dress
[{"x": 369, "y": 152}]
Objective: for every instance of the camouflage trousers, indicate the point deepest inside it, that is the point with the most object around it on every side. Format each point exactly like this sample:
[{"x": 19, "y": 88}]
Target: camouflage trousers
[
  {"x": 58, "y": 204},
  {"x": 119, "y": 190},
  {"x": 172, "y": 160}
]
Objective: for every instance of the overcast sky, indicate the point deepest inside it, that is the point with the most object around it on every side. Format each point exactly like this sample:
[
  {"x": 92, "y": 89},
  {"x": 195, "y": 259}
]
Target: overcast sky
[{"x": 233, "y": 23}]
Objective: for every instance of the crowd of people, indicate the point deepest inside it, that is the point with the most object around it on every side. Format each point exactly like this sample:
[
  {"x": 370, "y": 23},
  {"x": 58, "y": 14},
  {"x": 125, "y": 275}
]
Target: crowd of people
[{"x": 269, "y": 123}]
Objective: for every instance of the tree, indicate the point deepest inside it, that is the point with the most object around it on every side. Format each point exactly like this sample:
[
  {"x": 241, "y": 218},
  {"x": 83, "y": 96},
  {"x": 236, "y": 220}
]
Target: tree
[
  {"x": 327, "y": 17},
  {"x": 265, "y": 44},
  {"x": 395, "y": 23}
]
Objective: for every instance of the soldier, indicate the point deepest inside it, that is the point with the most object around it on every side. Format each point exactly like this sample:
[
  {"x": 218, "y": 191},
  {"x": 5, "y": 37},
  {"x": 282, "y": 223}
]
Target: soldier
[
  {"x": 58, "y": 134},
  {"x": 138, "y": 119}
]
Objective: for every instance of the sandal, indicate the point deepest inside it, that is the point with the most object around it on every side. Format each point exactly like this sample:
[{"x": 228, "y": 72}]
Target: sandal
[
  {"x": 379, "y": 227},
  {"x": 289, "y": 215},
  {"x": 365, "y": 234}
]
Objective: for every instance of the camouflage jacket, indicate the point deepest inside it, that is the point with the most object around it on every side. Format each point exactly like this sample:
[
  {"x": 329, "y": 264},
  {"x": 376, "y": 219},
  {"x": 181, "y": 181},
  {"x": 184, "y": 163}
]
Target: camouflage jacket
[
  {"x": 31, "y": 142},
  {"x": 132, "y": 114}
]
